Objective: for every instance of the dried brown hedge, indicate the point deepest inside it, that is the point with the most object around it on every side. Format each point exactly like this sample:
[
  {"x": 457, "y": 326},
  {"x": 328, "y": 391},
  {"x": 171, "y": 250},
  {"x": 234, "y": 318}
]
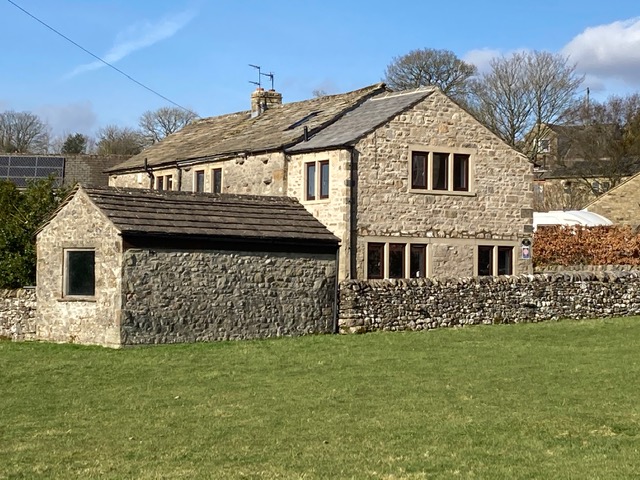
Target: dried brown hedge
[{"x": 602, "y": 245}]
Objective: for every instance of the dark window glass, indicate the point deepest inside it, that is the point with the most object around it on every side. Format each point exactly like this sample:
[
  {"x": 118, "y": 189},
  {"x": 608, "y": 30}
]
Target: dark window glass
[
  {"x": 375, "y": 258},
  {"x": 81, "y": 273},
  {"x": 419, "y": 170},
  {"x": 440, "y": 171},
  {"x": 418, "y": 261},
  {"x": 311, "y": 181},
  {"x": 505, "y": 260},
  {"x": 485, "y": 260},
  {"x": 200, "y": 181},
  {"x": 216, "y": 180},
  {"x": 324, "y": 179},
  {"x": 169, "y": 182},
  {"x": 160, "y": 183},
  {"x": 461, "y": 172},
  {"x": 396, "y": 260}
]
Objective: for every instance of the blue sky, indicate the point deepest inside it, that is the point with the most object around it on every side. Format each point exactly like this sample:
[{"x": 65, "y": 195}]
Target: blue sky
[{"x": 196, "y": 52}]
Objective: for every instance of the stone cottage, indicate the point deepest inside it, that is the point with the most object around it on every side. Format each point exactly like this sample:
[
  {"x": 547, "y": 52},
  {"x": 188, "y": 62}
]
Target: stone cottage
[
  {"x": 121, "y": 267},
  {"x": 411, "y": 183}
]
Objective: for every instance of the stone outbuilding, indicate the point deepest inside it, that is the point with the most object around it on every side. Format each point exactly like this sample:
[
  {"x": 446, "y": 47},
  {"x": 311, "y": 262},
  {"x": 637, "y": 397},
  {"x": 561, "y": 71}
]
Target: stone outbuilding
[{"x": 121, "y": 267}]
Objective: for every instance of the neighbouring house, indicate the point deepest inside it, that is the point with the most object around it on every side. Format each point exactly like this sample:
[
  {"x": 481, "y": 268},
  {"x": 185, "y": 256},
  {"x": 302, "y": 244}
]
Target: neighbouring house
[
  {"x": 121, "y": 267},
  {"x": 67, "y": 169},
  {"x": 410, "y": 183},
  {"x": 621, "y": 204},
  {"x": 575, "y": 164}
]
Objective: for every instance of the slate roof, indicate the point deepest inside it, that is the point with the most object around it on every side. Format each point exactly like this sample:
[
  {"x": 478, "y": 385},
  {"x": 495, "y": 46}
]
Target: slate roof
[
  {"x": 208, "y": 216},
  {"x": 358, "y": 122},
  {"x": 237, "y": 133}
]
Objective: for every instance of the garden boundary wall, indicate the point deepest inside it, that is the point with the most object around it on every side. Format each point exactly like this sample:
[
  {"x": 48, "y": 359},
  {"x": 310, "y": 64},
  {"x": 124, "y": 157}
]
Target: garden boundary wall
[
  {"x": 420, "y": 304},
  {"x": 18, "y": 314}
]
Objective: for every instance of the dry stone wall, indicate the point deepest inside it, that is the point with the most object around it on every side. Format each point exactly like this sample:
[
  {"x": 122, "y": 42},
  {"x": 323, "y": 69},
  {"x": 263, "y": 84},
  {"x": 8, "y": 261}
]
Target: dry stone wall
[
  {"x": 177, "y": 296},
  {"x": 18, "y": 314},
  {"x": 420, "y": 304}
]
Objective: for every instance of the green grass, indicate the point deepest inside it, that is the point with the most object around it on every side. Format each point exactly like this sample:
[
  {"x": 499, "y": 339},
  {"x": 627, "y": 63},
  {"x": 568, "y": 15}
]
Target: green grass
[{"x": 553, "y": 400}]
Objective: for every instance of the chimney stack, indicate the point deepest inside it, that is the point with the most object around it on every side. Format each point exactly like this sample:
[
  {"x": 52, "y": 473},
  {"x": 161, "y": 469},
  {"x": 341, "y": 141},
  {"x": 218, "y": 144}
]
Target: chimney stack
[{"x": 262, "y": 100}]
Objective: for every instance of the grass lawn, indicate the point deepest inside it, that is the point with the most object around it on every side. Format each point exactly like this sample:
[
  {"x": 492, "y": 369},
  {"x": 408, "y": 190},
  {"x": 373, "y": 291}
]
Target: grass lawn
[{"x": 552, "y": 400}]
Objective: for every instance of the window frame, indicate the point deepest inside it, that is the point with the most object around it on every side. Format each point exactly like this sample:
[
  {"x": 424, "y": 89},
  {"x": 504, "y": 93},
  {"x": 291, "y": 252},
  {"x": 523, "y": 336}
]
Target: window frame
[
  {"x": 496, "y": 267},
  {"x": 317, "y": 174},
  {"x": 67, "y": 274},
  {"x": 386, "y": 248},
  {"x": 196, "y": 175},
  {"x": 380, "y": 247},
  {"x": 164, "y": 182},
  {"x": 216, "y": 183},
  {"x": 422, "y": 170}
]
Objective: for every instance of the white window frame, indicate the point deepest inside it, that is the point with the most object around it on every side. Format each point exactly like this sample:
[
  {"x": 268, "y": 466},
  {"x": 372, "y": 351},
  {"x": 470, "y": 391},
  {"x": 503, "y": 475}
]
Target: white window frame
[
  {"x": 543, "y": 145},
  {"x": 65, "y": 273}
]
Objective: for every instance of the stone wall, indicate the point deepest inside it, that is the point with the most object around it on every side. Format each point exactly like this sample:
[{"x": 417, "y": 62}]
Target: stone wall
[
  {"x": 620, "y": 203},
  {"x": 252, "y": 174},
  {"x": 420, "y": 304},
  {"x": 18, "y": 314},
  {"x": 333, "y": 212},
  {"x": 177, "y": 296},
  {"x": 497, "y": 208}
]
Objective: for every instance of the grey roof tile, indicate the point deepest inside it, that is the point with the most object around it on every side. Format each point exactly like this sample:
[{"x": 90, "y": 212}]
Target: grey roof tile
[
  {"x": 360, "y": 121},
  {"x": 202, "y": 215},
  {"x": 236, "y": 133}
]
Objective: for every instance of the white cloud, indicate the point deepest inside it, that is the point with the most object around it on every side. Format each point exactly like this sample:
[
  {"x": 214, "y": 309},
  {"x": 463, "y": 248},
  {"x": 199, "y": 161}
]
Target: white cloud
[
  {"x": 77, "y": 117},
  {"x": 481, "y": 58},
  {"x": 136, "y": 37},
  {"x": 608, "y": 52}
]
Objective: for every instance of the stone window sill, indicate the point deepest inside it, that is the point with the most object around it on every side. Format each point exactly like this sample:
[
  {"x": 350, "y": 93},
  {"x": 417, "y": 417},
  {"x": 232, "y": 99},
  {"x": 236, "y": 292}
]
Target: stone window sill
[
  {"x": 77, "y": 299},
  {"x": 442, "y": 192}
]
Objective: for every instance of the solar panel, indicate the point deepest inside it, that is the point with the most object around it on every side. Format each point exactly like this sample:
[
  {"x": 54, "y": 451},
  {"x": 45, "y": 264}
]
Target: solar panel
[{"x": 21, "y": 169}]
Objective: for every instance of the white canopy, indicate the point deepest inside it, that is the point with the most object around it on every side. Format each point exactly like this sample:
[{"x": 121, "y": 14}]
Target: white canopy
[{"x": 569, "y": 217}]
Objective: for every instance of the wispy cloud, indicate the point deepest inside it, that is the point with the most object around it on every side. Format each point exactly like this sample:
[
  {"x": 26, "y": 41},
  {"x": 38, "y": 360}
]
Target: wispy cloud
[{"x": 136, "y": 37}]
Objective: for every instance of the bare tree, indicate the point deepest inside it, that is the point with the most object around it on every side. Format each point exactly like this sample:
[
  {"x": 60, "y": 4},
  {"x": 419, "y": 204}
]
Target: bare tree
[
  {"x": 605, "y": 138},
  {"x": 523, "y": 92},
  {"x": 114, "y": 140},
  {"x": 23, "y": 132},
  {"x": 164, "y": 121},
  {"x": 429, "y": 66}
]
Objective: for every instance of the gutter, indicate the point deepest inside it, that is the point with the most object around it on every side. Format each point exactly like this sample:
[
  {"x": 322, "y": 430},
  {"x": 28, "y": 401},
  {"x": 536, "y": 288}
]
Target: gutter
[
  {"x": 336, "y": 295},
  {"x": 150, "y": 173}
]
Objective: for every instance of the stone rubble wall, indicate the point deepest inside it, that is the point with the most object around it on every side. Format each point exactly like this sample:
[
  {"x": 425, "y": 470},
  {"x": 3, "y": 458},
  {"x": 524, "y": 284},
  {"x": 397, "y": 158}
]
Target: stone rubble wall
[
  {"x": 420, "y": 304},
  {"x": 18, "y": 314},
  {"x": 175, "y": 296}
]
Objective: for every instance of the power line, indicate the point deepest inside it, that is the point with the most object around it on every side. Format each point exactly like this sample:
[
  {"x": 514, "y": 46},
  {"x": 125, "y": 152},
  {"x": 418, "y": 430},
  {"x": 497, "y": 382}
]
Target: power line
[{"x": 98, "y": 58}]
